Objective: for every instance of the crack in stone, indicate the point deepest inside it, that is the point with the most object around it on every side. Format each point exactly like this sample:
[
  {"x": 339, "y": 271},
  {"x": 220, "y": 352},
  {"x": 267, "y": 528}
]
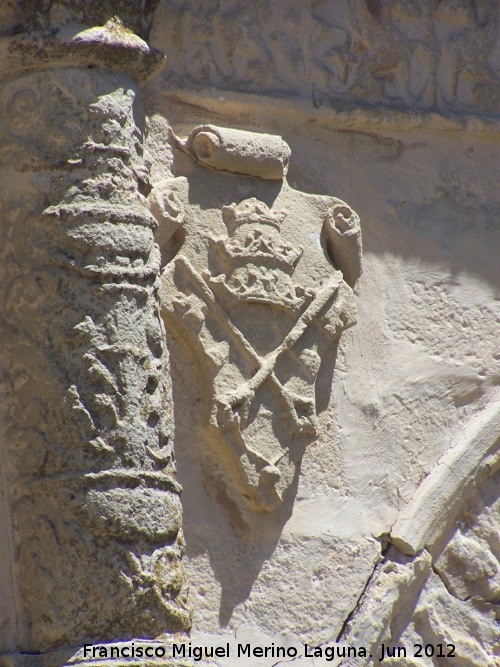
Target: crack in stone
[{"x": 361, "y": 595}]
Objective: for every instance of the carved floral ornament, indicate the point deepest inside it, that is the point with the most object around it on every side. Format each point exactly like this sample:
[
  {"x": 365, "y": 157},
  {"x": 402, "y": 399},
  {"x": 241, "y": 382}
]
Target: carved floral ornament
[
  {"x": 398, "y": 54},
  {"x": 86, "y": 434},
  {"x": 259, "y": 291}
]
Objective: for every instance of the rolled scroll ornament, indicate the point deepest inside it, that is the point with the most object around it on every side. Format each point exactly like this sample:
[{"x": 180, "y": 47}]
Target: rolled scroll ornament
[{"x": 239, "y": 152}]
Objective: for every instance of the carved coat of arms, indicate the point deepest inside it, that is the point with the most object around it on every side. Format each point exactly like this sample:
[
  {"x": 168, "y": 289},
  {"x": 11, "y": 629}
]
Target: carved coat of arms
[{"x": 256, "y": 291}]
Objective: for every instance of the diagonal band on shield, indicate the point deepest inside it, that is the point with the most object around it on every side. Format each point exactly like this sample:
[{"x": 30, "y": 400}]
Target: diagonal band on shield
[{"x": 233, "y": 407}]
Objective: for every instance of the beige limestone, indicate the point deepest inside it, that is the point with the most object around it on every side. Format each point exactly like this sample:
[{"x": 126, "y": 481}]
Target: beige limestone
[
  {"x": 226, "y": 149},
  {"x": 254, "y": 296},
  {"x": 414, "y": 383},
  {"x": 392, "y": 107},
  {"x": 463, "y": 465},
  {"x": 395, "y": 54},
  {"x": 91, "y": 517}
]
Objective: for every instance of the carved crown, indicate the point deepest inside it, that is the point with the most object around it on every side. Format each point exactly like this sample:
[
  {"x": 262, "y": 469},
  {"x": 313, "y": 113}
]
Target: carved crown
[
  {"x": 251, "y": 211},
  {"x": 257, "y": 248}
]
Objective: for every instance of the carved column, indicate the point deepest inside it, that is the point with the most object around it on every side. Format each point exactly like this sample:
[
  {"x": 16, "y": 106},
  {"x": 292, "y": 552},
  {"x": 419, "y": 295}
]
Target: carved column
[{"x": 91, "y": 503}]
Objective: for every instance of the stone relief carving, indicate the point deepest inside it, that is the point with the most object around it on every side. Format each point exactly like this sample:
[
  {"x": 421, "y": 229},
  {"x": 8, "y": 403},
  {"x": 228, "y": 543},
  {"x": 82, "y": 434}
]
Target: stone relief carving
[
  {"x": 446, "y": 589},
  {"x": 87, "y": 468},
  {"x": 419, "y": 54},
  {"x": 261, "y": 155},
  {"x": 261, "y": 310},
  {"x": 90, "y": 421},
  {"x": 256, "y": 291}
]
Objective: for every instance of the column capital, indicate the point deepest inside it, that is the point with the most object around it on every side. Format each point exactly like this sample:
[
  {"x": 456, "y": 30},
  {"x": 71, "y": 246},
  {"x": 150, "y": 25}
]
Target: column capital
[{"x": 51, "y": 34}]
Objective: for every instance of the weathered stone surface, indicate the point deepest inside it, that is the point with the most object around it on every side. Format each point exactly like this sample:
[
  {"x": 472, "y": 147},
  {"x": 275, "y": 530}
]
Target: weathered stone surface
[
  {"x": 90, "y": 471},
  {"x": 446, "y": 595},
  {"x": 441, "y": 494},
  {"x": 251, "y": 288},
  {"x": 225, "y": 149},
  {"x": 390, "y": 106},
  {"x": 414, "y": 378},
  {"x": 46, "y": 33},
  {"x": 397, "y": 54},
  {"x": 92, "y": 536}
]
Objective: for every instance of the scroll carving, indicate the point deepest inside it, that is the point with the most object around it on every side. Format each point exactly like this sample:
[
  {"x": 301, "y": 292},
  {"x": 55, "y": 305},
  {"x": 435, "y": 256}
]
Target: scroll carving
[
  {"x": 260, "y": 306},
  {"x": 261, "y": 155}
]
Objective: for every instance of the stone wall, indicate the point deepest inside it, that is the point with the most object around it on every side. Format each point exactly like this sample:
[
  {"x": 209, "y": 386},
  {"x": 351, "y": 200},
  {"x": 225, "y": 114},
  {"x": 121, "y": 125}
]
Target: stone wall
[
  {"x": 336, "y": 433},
  {"x": 380, "y": 104}
]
